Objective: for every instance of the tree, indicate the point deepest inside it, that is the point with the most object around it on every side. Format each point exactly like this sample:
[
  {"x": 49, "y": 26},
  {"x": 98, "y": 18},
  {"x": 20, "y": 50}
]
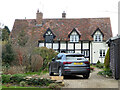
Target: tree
[
  {"x": 8, "y": 54},
  {"x": 107, "y": 60},
  {"x": 5, "y": 33}
]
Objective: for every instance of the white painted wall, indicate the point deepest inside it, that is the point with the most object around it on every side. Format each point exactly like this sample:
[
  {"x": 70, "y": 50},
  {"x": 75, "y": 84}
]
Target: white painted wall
[
  {"x": 85, "y": 45},
  {"x": 77, "y": 45},
  {"x": 55, "y": 45},
  {"x": 96, "y": 51},
  {"x": 41, "y": 44},
  {"x": 63, "y": 46},
  {"x": 49, "y": 45},
  {"x": 70, "y": 46}
]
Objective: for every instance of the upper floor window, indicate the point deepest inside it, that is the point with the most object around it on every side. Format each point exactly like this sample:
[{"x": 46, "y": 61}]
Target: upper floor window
[
  {"x": 98, "y": 38},
  {"x": 49, "y": 36},
  {"x": 98, "y": 35},
  {"x": 74, "y": 35}
]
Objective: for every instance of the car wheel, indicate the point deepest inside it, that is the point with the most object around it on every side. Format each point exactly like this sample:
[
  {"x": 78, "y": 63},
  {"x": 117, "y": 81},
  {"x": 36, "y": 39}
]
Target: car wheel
[
  {"x": 50, "y": 71},
  {"x": 60, "y": 72},
  {"x": 86, "y": 76}
]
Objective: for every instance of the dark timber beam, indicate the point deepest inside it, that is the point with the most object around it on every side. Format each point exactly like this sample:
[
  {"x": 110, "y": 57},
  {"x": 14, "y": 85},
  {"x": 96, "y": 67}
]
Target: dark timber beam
[
  {"x": 81, "y": 46},
  {"x": 66, "y": 46},
  {"x": 58, "y": 46},
  {"x": 89, "y": 49}
]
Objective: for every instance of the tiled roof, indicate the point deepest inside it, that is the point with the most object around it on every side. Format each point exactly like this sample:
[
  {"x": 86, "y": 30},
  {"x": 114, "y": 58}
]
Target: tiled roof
[{"x": 61, "y": 27}]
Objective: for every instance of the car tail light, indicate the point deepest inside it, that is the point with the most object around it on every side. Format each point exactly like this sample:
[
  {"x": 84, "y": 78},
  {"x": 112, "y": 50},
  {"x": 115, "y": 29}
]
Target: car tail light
[
  {"x": 67, "y": 62},
  {"x": 87, "y": 62}
]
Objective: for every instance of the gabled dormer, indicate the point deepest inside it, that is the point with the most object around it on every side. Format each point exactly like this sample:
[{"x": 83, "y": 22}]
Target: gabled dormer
[
  {"x": 98, "y": 35},
  {"x": 74, "y": 35},
  {"x": 49, "y": 36}
]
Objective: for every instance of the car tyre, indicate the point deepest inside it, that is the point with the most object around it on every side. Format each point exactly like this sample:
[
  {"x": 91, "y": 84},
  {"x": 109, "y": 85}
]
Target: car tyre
[
  {"x": 86, "y": 76},
  {"x": 50, "y": 71},
  {"x": 60, "y": 72}
]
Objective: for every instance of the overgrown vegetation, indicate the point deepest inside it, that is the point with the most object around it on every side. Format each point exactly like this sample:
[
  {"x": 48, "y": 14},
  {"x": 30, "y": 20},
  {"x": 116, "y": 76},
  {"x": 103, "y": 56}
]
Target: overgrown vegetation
[
  {"x": 23, "y": 80},
  {"x": 107, "y": 60},
  {"x": 106, "y": 71},
  {"x": 5, "y": 33},
  {"x": 8, "y": 55},
  {"x": 99, "y": 64},
  {"x": 46, "y": 54}
]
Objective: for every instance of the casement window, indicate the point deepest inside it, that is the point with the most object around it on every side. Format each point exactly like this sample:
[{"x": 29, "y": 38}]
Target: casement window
[
  {"x": 98, "y": 35},
  {"x": 102, "y": 53},
  {"x": 86, "y": 53},
  {"x": 74, "y": 37},
  {"x": 98, "y": 38},
  {"x": 49, "y": 36}
]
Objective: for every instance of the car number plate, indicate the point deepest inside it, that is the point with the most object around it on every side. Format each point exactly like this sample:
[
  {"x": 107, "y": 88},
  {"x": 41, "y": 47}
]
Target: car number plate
[{"x": 78, "y": 63}]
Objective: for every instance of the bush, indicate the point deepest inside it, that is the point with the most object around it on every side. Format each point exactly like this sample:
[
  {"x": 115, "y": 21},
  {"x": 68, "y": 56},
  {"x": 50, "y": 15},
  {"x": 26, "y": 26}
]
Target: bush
[
  {"x": 100, "y": 65},
  {"x": 23, "y": 80},
  {"x": 13, "y": 70},
  {"x": 106, "y": 72},
  {"x": 98, "y": 62},
  {"x": 46, "y": 54},
  {"x": 107, "y": 60},
  {"x": 36, "y": 62},
  {"x": 6, "y": 78},
  {"x": 8, "y": 54},
  {"x": 38, "y": 81},
  {"x": 17, "y": 78},
  {"x": 22, "y": 83}
]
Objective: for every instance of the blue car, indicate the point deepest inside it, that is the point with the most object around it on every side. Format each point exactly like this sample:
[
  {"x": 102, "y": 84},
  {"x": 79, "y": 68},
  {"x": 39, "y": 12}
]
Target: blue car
[{"x": 70, "y": 64}]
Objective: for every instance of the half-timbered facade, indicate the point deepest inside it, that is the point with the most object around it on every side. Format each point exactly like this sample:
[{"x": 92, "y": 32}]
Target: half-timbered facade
[{"x": 83, "y": 35}]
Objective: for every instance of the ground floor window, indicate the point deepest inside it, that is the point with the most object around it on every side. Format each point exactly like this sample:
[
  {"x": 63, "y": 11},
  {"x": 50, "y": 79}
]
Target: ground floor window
[{"x": 102, "y": 53}]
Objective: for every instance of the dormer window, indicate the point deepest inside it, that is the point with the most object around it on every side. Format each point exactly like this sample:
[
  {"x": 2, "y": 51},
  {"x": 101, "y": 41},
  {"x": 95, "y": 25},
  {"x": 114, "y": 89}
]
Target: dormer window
[
  {"x": 98, "y": 38},
  {"x": 98, "y": 35},
  {"x": 49, "y": 36},
  {"x": 74, "y": 35}
]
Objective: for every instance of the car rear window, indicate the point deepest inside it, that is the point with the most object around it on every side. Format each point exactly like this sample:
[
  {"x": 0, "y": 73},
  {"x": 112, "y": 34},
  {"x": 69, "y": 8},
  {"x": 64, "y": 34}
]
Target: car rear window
[{"x": 74, "y": 57}]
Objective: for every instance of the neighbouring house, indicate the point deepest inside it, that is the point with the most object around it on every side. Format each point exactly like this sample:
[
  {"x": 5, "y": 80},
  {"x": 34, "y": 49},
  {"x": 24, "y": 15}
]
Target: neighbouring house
[
  {"x": 114, "y": 44},
  {"x": 71, "y": 35}
]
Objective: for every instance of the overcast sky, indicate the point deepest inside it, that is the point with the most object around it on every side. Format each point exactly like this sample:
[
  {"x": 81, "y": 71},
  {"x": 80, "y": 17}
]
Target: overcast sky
[{"x": 19, "y": 9}]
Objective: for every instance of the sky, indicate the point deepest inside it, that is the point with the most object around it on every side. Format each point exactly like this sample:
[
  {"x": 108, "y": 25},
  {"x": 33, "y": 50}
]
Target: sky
[{"x": 19, "y": 9}]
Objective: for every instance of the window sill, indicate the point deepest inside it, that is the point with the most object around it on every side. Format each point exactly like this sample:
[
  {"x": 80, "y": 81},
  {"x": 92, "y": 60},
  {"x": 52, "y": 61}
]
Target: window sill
[{"x": 101, "y": 57}]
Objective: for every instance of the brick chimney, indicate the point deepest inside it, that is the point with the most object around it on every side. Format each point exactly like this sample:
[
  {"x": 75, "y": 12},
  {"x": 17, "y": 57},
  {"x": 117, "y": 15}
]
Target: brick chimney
[
  {"x": 39, "y": 17},
  {"x": 63, "y": 14}
]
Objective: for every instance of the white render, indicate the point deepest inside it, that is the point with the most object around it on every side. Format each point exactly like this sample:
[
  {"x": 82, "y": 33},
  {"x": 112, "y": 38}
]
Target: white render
[{"x": 95, "y": 51}]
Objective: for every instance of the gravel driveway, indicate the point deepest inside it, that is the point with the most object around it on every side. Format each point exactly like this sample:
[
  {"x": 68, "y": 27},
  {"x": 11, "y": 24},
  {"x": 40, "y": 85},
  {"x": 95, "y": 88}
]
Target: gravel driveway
[{"x": 95, "y": 81}]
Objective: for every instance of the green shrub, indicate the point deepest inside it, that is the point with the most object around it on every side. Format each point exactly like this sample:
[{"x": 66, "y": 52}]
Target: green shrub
[
  {"x": 98, "y": 62},
  {"x": 41, "y": 82},
  {"x": 46, "y": 54},
  {"x": 8, "y": 55},
  {"x": 22, "y": 83},
  {"x": 17, "y": 78},
  {"x": 105, "y": 72},
  {"x": 100, "y": 65},
  {"x": 6, "y": 78},
  {"x": 107, "y": 60}
]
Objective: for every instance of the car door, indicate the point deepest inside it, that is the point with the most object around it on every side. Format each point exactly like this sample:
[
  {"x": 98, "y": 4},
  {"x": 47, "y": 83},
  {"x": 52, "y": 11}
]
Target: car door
[{"x": 56, "y": 63}]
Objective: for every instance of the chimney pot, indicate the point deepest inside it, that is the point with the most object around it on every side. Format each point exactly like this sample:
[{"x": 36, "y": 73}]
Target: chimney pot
[{"x": 63, "y": 14}]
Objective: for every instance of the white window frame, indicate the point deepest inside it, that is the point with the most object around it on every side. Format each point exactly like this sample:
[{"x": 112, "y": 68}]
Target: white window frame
[
  {"x": 102, "y": 53},
  {"x": 98, "y": 38},
  {"x": 74, "y": 37}
]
